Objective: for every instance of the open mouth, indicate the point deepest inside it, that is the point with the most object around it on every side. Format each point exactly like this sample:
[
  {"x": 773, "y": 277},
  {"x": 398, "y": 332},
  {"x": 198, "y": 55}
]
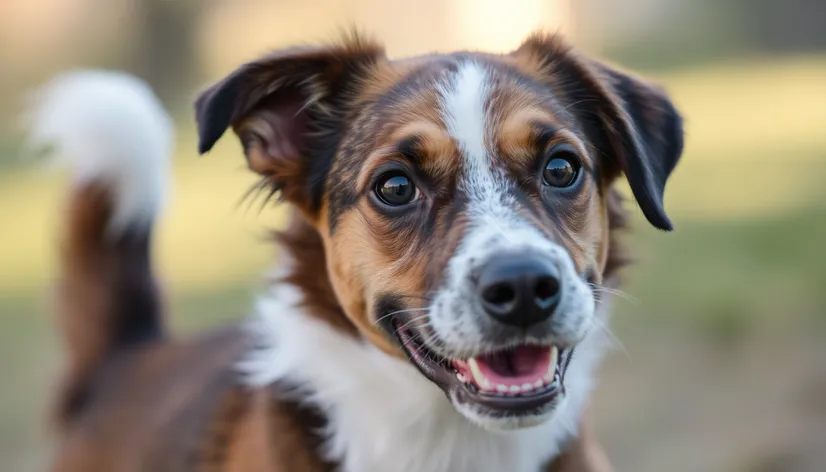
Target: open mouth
[{"x": 512, "y": 380}]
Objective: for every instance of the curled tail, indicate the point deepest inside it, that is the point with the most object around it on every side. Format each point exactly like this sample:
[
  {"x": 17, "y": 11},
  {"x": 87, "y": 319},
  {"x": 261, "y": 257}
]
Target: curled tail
[{"x": 114, "y": 135}]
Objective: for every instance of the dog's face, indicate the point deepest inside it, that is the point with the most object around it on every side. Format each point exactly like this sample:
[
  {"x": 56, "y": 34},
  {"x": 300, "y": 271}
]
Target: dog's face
[{"x": 462, "y": 199}]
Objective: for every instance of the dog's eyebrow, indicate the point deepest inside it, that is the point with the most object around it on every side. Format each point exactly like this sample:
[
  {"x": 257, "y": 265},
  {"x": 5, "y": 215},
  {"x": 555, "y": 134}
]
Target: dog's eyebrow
[
  {"x": 410, "y": 147},
  {"x": 523, "y": 137},
  {"x": 543, "y": 132},
  {"x": 424, "y": 146}
]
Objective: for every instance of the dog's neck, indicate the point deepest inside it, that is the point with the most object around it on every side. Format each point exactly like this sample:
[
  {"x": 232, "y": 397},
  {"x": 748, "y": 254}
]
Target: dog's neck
[
  {"x": 380, "y": 412},
  {"x": 304, "y": 267}
]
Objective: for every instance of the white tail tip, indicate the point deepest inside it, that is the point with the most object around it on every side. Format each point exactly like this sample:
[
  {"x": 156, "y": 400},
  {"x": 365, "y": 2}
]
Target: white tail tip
[{"x": 111, "y": 129}]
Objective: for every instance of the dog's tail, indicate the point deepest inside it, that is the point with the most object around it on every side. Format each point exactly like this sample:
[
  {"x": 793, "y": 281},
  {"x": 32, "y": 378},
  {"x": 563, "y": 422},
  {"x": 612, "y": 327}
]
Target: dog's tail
[{"x": 115, "y": 136}]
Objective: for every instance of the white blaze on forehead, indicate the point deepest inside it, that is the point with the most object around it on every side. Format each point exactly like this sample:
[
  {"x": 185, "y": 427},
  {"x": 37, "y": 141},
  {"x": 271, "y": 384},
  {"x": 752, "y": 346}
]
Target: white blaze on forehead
[
  {"x": 464, "y": 99},
  {"x": 465, "y": 105}
]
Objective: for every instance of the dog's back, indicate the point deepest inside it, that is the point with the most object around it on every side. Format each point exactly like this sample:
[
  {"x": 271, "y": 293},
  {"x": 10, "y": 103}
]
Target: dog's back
[{"x": 131, "y": 399}]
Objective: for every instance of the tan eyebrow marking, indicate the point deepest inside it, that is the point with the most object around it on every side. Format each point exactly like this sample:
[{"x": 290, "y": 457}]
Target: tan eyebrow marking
[
  {"x": 435, "y": 151},
  {"x": 517, "y": 134}
]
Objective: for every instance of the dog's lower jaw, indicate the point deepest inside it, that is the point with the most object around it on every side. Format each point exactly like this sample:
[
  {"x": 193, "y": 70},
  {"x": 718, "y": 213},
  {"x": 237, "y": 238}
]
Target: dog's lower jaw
[
  {"x": 382, "y": 414},
  {"x": 510, "y": 423}
]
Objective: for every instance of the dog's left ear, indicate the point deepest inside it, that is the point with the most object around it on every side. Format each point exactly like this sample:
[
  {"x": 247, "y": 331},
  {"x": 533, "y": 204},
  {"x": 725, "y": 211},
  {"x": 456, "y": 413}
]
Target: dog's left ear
[
  {"x": 631, "y": 122},
  {"x": 287, "y": 109},
  {"x": 645, "y": 124}
]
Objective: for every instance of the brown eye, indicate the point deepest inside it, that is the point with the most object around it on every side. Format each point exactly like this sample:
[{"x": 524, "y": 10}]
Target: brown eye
[
  {"x": 395, "y": 189},
  {"x": 562, "y": 168}
]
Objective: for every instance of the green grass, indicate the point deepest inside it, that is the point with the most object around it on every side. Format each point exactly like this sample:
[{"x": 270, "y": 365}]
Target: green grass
[{"x": 724, "y": 275}]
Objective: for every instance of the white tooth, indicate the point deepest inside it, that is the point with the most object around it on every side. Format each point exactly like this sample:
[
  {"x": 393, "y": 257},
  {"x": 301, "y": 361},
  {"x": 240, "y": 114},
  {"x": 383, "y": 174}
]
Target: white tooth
[
  {"x": 538, "y": 383},
  {"x": 548, "y": 377},
  {"x": 480, "y": 378},
  {"x": 515, "y": 389},
  {"x": 502, "y": 388},
  {"x": 554, "y": 356},
  {"x": 461, "y": 378},
  {"x": 527, "y": 387}
]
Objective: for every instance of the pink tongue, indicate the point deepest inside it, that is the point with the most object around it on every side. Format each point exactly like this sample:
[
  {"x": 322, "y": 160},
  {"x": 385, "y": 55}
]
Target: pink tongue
[
  {"x": 524, "y": 364},
  {"x": 528, "y": 360}
]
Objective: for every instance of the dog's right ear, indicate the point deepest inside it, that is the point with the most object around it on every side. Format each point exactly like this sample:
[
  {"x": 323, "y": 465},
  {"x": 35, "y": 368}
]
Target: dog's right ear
[{"x": 276, "y": 103}]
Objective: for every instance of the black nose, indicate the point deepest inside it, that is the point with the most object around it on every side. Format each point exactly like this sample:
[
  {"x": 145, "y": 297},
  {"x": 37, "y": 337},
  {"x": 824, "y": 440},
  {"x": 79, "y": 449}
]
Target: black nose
[{"x": 519, "y": 290}]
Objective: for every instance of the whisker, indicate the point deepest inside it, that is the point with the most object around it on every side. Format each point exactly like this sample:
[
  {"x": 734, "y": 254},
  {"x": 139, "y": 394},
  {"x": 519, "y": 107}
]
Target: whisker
[
  {"x": 392, "y": 313},
  {"x": 613, "y": 291},
  {"x": 599, "y": 324},
  {"x": 414, "y": 296},
  {"x": 413, "y": 320},
  {"x": 417, "y": 338}
]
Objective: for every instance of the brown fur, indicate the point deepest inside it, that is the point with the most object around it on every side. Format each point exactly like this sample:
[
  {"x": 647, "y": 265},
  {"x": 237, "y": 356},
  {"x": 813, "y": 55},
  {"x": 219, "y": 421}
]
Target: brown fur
[{"x": 106, "y": 299}]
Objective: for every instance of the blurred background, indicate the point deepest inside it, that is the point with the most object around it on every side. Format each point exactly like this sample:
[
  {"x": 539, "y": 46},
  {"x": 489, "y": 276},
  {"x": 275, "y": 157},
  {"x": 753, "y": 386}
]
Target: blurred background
[{"x": 720, "y": 363}]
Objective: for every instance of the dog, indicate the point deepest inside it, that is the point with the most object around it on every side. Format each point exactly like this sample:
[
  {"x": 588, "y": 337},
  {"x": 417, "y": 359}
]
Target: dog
[{"x": 442, "y": 280}]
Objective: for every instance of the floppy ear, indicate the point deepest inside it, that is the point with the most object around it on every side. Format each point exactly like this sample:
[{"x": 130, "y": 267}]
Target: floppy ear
[
  {"x": 649, "y": 131},
  {"x": 632, "y": 122},
  {"x": 286, "y": 108}
]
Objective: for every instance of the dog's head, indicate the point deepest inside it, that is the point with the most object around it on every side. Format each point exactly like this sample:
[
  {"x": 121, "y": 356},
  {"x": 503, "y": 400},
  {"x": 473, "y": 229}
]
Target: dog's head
[{"x": 462, "y": 198}]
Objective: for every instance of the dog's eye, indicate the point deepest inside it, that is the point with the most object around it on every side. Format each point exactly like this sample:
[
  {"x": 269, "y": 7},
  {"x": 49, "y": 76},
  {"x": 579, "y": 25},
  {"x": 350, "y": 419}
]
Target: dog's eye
[
  {"x": 395, "y": 189},
  {"x": 562, "y": 168}
]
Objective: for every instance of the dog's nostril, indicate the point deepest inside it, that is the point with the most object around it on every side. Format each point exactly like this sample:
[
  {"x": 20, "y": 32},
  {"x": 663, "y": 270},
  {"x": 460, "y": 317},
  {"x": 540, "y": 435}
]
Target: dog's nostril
[
  {"x": 546, "y": 289},
  {"x": 519, "y": 289},
  {"x": 499, "y": 294}
]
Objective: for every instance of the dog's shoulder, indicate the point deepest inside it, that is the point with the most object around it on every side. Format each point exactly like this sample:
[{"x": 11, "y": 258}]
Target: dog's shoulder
[{"x": 183, "y": 407}]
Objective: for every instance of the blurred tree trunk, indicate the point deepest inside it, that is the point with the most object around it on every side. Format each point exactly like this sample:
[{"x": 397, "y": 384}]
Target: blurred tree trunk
[{"x": 164, "y": 49}]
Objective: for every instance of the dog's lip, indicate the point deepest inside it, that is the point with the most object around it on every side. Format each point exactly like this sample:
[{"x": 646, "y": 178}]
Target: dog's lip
[{"x": 442, "y": 372}]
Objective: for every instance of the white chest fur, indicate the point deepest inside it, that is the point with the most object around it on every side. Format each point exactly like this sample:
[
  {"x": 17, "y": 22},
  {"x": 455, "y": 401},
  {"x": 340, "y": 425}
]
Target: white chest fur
[{"x": 382, "y": 414}]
